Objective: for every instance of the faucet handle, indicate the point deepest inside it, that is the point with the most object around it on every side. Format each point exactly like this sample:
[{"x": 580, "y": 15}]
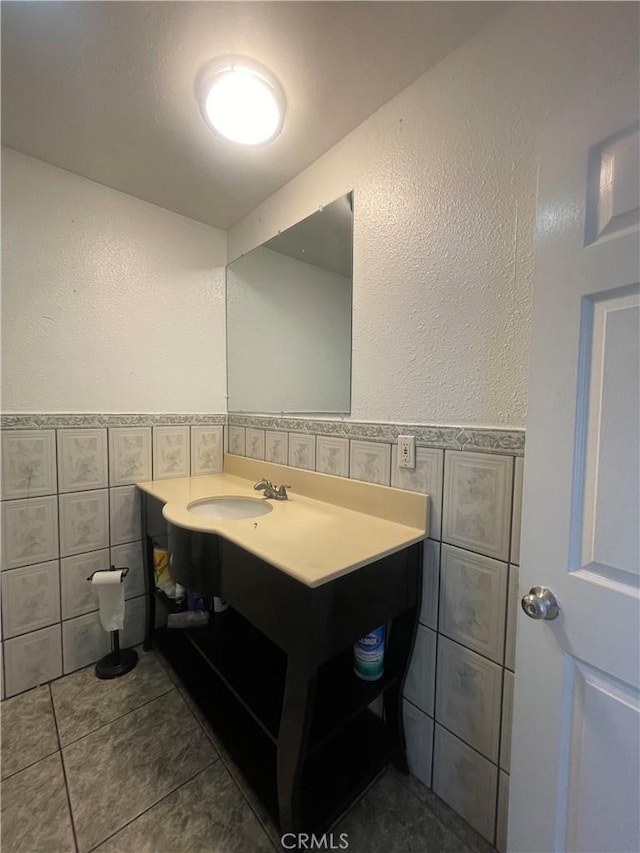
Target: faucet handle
[{"x": 281, "y": 491}]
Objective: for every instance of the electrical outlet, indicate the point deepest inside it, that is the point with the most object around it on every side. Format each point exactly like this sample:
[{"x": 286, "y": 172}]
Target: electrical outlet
[{"x": 406, "y": 451}]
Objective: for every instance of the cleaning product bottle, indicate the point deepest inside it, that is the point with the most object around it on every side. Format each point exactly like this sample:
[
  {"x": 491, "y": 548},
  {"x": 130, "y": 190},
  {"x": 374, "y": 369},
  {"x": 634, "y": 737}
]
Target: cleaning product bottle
[{"x": 368, "y": 655}]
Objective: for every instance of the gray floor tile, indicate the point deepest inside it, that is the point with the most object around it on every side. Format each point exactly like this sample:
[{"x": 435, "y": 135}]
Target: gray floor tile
[
  {"x": 191, "y": 702},
  {"x": 254, "y": 801},
  {"x": 452, "y": 820},
  {"x": 28, "y": 730},
  {"x": 390, "y": 819},
  {"x": 207, "y": 814},
  {"x": 83, "y": 702},
  {"x": 119, "y": 771},
  {"x": 35, "y": 811},
  {"x": 173, "y": 675},
  {"x": 252, "y": 798}
]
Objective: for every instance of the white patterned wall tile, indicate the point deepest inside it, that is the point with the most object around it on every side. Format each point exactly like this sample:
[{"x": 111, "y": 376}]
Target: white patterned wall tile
[
  {"x": 477, "y": 502},
  {"x": 507, "y": 719},
  {"x": 503, "y": 812},
  {"x": 512, "y": 617},
  {"x": 84, "y": 522},
  {"x": 129, "y": 455},
  {"x": 302, "y": 451},
  {"x": 419, "y": 684},
  {"x": 517, "y": 511},
  {"x": 236, "y": 440},
  {"x": 79, "y": 596},
  {"x": 131, "y": 555},
  {"x": 332, "y": 455},
  {"x": 32, "y": 659},
  {"x": 134, "y": 621},
  {"x": 206, "y": 450},
  {"x": 468, "y": 697},
  {"x": 170, "y": 452},
  {"x": 430, "y": 584},
  {"x": 473, "y": 593},
  {"x": 29, "y": 531},
  {"x": 254, "y": 443},
  {"x": 30, "y": 598},
  {"x": 125, "y": 514},
  {"x": 426, "y": 477},
  {"x": 466, "y": 781},
  {"x": 418, "y": 731},
  {"x": 370, "y": 461},
  {"x": 82, "y": 459},
  {"x": 275, "y": 447},
  {"x": 28, "y": 463},
  {"x": 84, "y": 641}
]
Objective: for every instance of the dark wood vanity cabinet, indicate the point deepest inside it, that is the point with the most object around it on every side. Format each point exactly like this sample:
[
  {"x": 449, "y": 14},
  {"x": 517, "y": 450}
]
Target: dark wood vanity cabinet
[{"x": 274, "y": 672}]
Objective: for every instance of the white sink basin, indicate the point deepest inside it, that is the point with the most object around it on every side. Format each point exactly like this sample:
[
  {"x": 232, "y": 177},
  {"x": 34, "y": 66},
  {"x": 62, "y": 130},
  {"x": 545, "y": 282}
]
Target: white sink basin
[{"x": 230, "y": 507}]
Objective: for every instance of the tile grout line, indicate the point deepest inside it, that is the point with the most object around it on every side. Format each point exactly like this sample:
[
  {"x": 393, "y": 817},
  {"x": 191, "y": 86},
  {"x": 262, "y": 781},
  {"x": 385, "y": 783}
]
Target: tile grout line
[
  {"x": 220, "y": 755},
  {"x": 57, "y": 457},
  {"x": 441, "y": 509},
  {"x": 167, "y": 666},
  {"x": 445, "y": 826},
  {"x": 210, "y": 764},
  {"x": 153, "y": 805},
  {"x": 441, "y": 821},
  {"x": 501, "y": 745},
  {"x": 32, "y": 763},
  {"x": 64, "y": 773},
  {"x": 261, "y": 823},
  {"x": 218, "y": 758},
  {"x": 463, "y": 741},
  {"x": 119, "y": 717}
]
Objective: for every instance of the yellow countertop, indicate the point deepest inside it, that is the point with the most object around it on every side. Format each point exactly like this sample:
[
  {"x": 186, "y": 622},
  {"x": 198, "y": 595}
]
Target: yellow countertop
[{"x": 329, "y": 526}]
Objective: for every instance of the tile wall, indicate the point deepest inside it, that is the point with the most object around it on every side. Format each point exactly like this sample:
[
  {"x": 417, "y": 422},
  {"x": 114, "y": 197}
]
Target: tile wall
[
  {"x": 459, "y": 688},
  {"x": 69, "y": 507}
]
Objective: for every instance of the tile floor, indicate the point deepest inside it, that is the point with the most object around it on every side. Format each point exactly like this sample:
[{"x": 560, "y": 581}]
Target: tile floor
[{"x": 130, "y": 766}]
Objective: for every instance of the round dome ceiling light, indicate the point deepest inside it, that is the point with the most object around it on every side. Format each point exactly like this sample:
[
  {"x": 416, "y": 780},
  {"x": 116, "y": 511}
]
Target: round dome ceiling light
[{"x": 241, "y": 100}]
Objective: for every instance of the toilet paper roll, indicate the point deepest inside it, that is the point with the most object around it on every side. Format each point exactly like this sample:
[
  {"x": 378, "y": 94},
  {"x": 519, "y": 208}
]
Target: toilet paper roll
[{"x": 110, "y": 599}]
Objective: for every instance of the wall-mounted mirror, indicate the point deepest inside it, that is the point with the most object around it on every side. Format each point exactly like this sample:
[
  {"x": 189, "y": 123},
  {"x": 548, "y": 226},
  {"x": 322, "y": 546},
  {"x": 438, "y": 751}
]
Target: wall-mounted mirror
[{"x": 289, "y": 318}]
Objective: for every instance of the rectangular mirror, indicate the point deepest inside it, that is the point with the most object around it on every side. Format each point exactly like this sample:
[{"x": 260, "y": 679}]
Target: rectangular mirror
[{"x": 289, "y": 318}]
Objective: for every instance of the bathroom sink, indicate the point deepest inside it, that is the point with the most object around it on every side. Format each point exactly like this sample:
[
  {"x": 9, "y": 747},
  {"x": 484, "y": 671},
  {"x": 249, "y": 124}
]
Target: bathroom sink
[{"x": 230, "y": 507}]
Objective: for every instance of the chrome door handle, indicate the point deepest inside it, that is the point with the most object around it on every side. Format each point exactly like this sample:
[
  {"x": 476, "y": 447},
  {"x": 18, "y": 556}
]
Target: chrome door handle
[{"x": 540, "y": 603}]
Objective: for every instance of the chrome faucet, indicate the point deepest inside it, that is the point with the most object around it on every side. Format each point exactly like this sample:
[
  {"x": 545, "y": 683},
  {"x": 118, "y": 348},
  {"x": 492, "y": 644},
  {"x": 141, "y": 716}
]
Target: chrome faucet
[{"x": 277, "y": 493}]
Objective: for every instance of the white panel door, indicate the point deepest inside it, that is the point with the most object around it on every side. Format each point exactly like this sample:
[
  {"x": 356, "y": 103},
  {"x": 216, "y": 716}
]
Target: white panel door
[{"x": 575, "y": 761}]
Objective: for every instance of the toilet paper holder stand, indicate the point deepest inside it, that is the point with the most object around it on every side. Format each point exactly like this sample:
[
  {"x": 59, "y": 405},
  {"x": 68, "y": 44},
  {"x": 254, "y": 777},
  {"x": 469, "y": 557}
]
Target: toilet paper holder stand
[{"x": 118, "y": 661}]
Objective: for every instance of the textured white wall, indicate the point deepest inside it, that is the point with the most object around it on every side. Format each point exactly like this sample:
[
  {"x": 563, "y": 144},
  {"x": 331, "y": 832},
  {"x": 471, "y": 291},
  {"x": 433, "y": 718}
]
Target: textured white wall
[
  {"x": 109, "y": 304},
  {"x": 445, "y": 184},
  {"x": 290, "y": 335}
]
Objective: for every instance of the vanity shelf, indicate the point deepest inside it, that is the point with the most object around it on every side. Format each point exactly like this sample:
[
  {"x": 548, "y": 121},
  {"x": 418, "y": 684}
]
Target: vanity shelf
[
  {"x": 251, "y": 667},
  {"x": 336, "y": 772},
  {"x": 274, "y": 675},
  {"x": 254, "y": 670}
]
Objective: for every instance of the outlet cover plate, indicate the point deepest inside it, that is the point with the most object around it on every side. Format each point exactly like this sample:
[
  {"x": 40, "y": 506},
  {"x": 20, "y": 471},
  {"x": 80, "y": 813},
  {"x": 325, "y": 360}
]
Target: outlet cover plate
[{"x": 406, "y": 451}]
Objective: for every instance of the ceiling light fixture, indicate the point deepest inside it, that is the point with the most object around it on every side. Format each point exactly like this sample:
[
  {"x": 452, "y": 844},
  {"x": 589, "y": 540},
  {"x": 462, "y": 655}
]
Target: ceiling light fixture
[{"x": 241, "y": 100}]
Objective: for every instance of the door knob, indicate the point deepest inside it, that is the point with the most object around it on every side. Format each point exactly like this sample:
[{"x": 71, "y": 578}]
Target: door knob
[{"x": 540, "y": 603}]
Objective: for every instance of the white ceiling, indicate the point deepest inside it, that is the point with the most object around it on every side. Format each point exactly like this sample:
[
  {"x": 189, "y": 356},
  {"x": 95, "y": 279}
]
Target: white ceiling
[{"x": 105, "y": 89}]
